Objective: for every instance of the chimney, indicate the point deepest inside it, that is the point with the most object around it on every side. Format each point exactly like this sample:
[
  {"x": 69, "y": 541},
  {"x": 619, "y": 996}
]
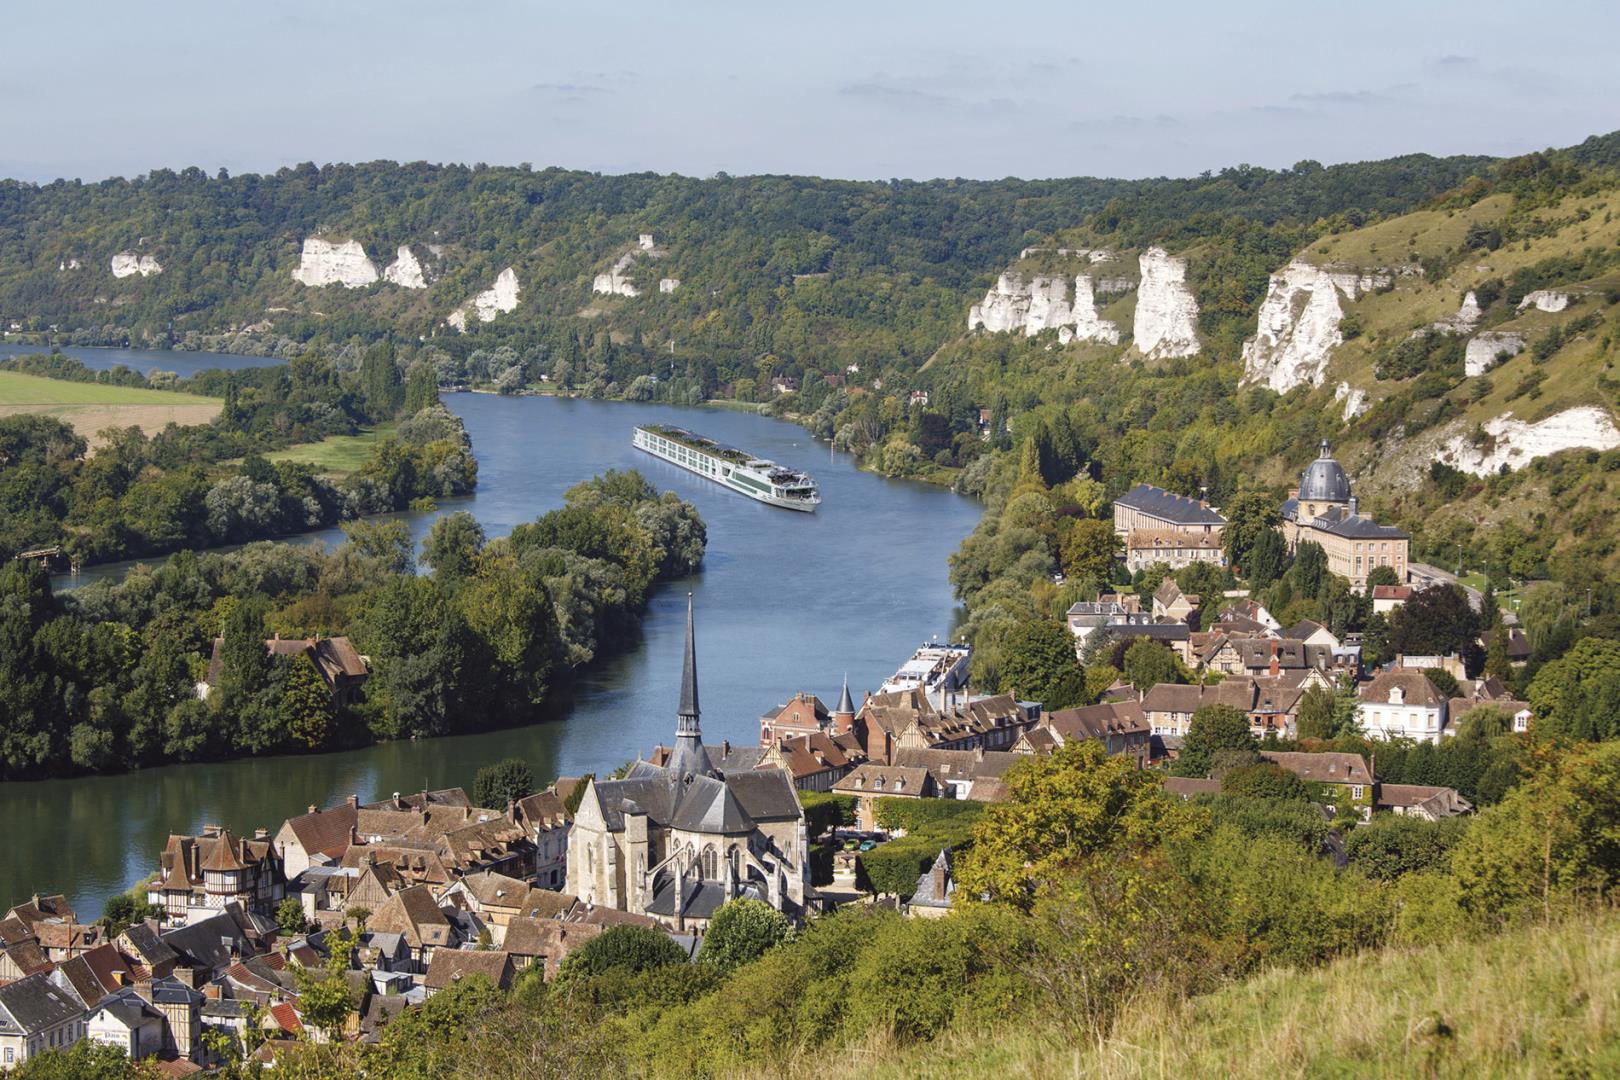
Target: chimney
[
  {"x": 313, "y": 809},
  {"x": 354, "y": 836},
  {"x": 354, "y": 802},
  {"x": 399, "y": 803},
  {"x": 261, "y": 833},
  {"x": 143, "y": 987},
  {"x": 940, "y": 874}
]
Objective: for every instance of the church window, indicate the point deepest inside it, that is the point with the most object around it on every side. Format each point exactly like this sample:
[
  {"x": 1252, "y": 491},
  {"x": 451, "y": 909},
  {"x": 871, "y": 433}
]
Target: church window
[{"x": 711, "y": 863}]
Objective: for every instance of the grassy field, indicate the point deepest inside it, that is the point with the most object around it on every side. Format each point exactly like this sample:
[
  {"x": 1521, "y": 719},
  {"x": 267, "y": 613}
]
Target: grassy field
[
  {"x": 1535, "y": 1002},
  {"x": 92, "y": 407},
  {"x": 338, "y": 454}
]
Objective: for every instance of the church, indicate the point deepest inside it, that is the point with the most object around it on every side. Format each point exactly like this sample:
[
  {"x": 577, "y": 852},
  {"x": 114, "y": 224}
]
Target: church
[
  {"x": 1323, "y": 511},
  {"x": 675, "y": 841}
]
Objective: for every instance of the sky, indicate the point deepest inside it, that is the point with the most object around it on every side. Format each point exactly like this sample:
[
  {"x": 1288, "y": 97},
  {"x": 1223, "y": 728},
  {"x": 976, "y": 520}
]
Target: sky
[{"x": 867, "y": 90}]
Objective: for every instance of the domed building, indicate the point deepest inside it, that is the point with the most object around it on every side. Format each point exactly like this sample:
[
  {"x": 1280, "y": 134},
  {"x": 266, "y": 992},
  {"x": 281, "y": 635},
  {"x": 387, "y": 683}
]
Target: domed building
[{"x": 1324, "y": 511}]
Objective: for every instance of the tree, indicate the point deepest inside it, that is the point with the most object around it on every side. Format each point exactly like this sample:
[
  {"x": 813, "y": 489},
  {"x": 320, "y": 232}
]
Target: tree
[
  {"x": 1213, "y": 728},
  {"x": 1328, "y": 714},
  {"x": 86, "y": 1059},
  {"x": 1148, "y": 663},
  {"x": 1264, "y": 781},
  {"x": 124, "y": 910},
  {"x": 1268, "y": 559},
  {"x": 453, "y": 546},
  {"x": 380, "y": 384},
  {"x": 1038, "y": 663},
  {"x": 1552, "y": 840},
  {"x": 1393, "y": 845},
  {"x": 742, "y": 931},
  {"x": 290, "y": 916},
  {"x": 306, "y": 704},
  {"x": 357, "y": 915},
  {"x": 1088, "y": 549},
  {"x": 1249, "y": 516},
  {"x": 501, "y": 783},
  {"x": 324, "y": 998},
  {"x": 245, "y": 662},
  {"x": 1434, "y": 622},
  {"x": 1060, "y": 809},
  {"x": 1496, "y": 654},
  {"x": 421, "y": 388},
  {"x": 1382, "y": 575},
  {"x": 1577, "y": 696}
]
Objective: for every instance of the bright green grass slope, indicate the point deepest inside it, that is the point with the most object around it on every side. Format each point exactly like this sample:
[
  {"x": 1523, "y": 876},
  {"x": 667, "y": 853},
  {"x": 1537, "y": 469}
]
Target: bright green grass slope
[
  {"x": 1535, "y": 1002},
  {"x": 18, "y": 389},
  {"x": 336, "y": 454}
]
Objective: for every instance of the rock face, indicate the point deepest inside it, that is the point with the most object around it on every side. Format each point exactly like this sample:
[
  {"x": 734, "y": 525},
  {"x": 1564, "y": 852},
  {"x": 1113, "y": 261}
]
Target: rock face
[
  {"x": 127, "y": 263},
  {"x": 1042, "y": 303},
  {"x": 1298, "y": 327},
  {"x": 669, "y": 284},
  {"x": 1355, "y": 401},
  {"x": 322, "y": 263},
  {"x": 616, "y": 281},
  {"x": 1515, "y": 443},
  {"x": 502, "y": 296},
  {"x": 1467, "y": 317},
  {"x": 406, "y": 270},
  {"x": 1166, "y": 313},
  {"x": 1548, "y": 300},
  {"x": 1484, "y": 348}
]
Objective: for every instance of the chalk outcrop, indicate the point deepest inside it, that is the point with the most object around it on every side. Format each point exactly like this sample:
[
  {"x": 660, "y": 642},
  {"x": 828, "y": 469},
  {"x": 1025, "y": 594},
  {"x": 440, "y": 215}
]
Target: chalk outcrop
[
  {"x": 406, "y": 270},
  {"x": 1042, "y": 303},
  {"x": 1467, "y": 317},
  {"x": 498, "y": 298},
  {"x": 1355, "y": 400},
  {"x": 128, "y": 263},
  {"x": 616, "y": 281},
  {"x": 65, "y": 265},
  {"x": 1298, "y": 326},
  {"x": 1483, "y": 349},
  {"x": 1548, "y": 300},
  {"x": 323, "y": 263},
  {"x": 1166, "y": 314},
  {"x": 1514, "y": 443},
  {"x": 669, "y": 284}
]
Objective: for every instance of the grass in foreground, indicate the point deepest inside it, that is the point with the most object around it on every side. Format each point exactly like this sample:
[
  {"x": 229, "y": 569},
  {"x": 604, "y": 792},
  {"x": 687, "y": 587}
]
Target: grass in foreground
[
  {"x": 93, "y": 407},
  {"x": 336, "y": 454},
  {"x": 1533, "y": 1002}
]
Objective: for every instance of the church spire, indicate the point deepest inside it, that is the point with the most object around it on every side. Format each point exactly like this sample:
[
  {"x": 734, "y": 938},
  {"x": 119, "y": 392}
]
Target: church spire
[
  {"x": 689, "y": 755},
  {"x": 845, "y": 705}
]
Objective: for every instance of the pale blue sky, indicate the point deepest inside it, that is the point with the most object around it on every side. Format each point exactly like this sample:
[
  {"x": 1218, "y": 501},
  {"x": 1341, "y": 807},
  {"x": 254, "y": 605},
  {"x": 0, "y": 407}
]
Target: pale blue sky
[{"x": 863, "y": 90}]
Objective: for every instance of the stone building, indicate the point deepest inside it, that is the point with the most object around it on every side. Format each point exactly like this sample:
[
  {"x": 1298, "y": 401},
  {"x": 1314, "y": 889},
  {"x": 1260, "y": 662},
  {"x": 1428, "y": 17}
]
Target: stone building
[
  {"x": 1323, "y": 511},
  {"x": 675, "y": 841}
]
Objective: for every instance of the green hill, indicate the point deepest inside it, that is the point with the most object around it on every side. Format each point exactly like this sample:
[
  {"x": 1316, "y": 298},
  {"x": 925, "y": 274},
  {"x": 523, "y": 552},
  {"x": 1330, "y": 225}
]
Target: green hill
[{"x": 1534, "y": 1002}]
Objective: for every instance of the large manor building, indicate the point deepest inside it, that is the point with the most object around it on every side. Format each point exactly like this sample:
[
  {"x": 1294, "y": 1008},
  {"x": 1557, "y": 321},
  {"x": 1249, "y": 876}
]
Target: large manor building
[
  {"x": 1323, "y": 511},
  {"x": 677, "y": 840}
]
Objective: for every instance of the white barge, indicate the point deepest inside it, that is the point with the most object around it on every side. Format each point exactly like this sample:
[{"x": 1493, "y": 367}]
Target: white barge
[{"x": 759, "y": 479}]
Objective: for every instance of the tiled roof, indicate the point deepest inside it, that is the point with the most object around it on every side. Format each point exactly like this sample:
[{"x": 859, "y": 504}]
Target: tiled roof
[
  {"x": 874, "y": 779},
  {"x": 1168, "y": 506},
  {"x": 1415, "y": 687},
  {"x": 452, "y": 965},
  {"x": 1098, "y": 721},
  {"x": 1186, "y": 787},
  {"x": 1324, "y": 768},
  {"x": 325, "y": 832},
  {"x": 1173, "y": 540}
]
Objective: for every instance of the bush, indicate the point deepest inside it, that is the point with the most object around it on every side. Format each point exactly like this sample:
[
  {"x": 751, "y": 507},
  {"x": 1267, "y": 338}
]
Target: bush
[
  {"x": 630, "y": 949},
  {"x": 742, "y": 931},
  {"x": 1392, "y": 846},
  {"x": 1265, "y": 781},
  {"x": 501, "y": 783},
  {"x": 912, "y": 814}
]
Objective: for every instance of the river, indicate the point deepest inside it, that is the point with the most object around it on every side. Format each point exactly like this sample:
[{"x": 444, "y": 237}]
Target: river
[
  {"x": 143, "y": 361},
  {"x": 785, "y": 601}
]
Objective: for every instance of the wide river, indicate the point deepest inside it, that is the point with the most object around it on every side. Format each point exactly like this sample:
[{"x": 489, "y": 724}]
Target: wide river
[{"x": 785, "y": 602}]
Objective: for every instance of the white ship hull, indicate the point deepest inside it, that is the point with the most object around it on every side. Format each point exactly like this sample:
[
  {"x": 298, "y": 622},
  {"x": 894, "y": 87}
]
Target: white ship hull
[{"x": 757, "y": 479}]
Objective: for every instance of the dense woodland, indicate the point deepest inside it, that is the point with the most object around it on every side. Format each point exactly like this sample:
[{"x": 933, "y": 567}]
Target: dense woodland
[{"x": 104, "y": 678}]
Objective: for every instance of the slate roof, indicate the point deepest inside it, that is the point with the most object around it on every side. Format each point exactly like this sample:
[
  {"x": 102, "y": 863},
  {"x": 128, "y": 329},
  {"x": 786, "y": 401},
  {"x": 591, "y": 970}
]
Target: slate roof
[
  {"x": 926, "y": 893},
  {"x": 149, "y": 948},
  {"x": 1171, "y": 631},
  {"x": 730, "y": 805},
  {"x": 1324, "y": 479},
  {"x": 1340, "y": 522},
  {"x": 33, "y": 1004},
  {"x": 699, "y": 899},
  {"x": 1168, "y": 506},
  {"x": 209, "y": 943}
]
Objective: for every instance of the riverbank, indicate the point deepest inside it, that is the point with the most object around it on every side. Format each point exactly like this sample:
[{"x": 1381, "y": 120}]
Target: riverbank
[{"x": 785, "y": 602}]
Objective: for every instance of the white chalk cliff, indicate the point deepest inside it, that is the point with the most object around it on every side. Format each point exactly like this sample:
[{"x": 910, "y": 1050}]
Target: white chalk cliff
[
  {"x": 1166, "y": 313},
  {"x": 322, "y": 263},
  {"x": 1515, "y": 443},
  {"x": 128, "y": 263},
  {"x": 1298, "y": 327},
  {"x": 616, "y": 281},
  {"x": 1042, "y": 303},
  {"x": 669, "y": 284},
  {"x": 1483, "y": 349},
  {"x": 1548, "y": 300},
  {"x": 502, "y": 296},
  {"x": 1355, "y": 400},
  {"x": 406, "y": 270}
]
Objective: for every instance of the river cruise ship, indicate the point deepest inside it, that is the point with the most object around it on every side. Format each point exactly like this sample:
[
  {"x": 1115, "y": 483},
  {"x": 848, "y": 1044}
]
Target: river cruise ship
[{"x": 757, "y": 478}]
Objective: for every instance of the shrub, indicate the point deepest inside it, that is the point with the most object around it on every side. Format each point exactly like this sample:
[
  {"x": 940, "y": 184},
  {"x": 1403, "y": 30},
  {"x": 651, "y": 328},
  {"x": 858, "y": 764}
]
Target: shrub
[
  {"x": 823, "y": 810},
  {"x": 632, "y": 949},
  {"x": 1392, "y": 846},
  {"x": 741, "y": 931}
]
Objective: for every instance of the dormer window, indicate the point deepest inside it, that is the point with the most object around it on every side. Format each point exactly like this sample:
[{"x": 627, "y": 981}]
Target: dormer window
[
  {"x": 899, "y": 785},
  {"x": 1397, "y": 696},
  {"x": 877, "y": 785}
]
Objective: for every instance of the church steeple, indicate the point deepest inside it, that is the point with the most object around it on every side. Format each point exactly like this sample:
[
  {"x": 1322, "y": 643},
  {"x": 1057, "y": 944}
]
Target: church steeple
[
  {"x": 844, "y": 719},
  {"x": 689, "y": 755}
]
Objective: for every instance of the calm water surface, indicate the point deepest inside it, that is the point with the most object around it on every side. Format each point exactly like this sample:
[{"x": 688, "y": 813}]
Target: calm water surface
[
  {"x": 785, "y": 601},
  {"x": 144, "y": 361}
]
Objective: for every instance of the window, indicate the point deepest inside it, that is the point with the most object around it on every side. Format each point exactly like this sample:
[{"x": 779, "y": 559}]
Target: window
[
  {"x": 1355, "y": 791},
  {"x": 1521, "y": 723}
]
